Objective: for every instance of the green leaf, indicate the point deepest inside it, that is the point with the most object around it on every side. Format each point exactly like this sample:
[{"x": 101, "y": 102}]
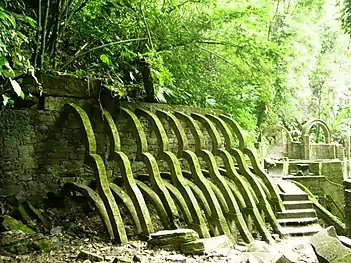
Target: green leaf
[
  {"x": 5, "y": 99},
  {"x": 104, "y": 58},
  {"x": 31, "y": 21}
]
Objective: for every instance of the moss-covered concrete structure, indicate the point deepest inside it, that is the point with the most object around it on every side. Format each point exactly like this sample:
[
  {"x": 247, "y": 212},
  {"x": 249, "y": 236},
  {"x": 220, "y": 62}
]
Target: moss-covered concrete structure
[{"x": 192, "y": 165}]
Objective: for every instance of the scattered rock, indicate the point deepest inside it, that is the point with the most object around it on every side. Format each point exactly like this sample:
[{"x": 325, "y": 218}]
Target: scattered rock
[
  {"x": 109, "y": 258},
  {"x": 284, "y": 259},
  {"x": 56, "y": 230},
  {"x": 120, "y": 259},
  {"x": 172, "y": 239},
  {"x": 205, "y": 245},
  {"x": 177, "y": 258},
  {"x": 331, "y": 231},
  {"x": 5, "y": 259},
  {"x": 20, "y": 243},
  {"x": 261, "y": 257},
  {"x": 290, "y": 257},
  {"x": 137, "y": 258},
  {"x": 240, "y": 248},
  {"x": 83, "y": 255},
  {"x": 328, "y": 248},
  {"x": 258, "y": 246}
]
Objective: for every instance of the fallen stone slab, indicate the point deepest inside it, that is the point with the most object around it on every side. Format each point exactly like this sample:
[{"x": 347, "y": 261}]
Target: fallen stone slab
[
  {"x": 205, "y": 245},
  {"x": 83, "y": 255},
  {"x": 172, "y": 239},
  {"x": 327, "y": 247}
]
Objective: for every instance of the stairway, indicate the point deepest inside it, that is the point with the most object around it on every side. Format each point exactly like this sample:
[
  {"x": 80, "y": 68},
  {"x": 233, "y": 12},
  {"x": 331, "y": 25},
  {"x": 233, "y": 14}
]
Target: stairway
[{"x": 300, "y": 218}]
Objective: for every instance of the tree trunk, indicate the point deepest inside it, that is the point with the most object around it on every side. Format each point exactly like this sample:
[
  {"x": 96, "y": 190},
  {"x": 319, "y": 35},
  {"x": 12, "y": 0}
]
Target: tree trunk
[{"x": 144, "y": 68}]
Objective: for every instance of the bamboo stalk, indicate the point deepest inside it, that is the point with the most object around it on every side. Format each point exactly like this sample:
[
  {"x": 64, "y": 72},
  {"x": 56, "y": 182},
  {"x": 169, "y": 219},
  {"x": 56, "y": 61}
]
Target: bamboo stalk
[
  {"x": 43, "y": 42},
  {"x": 38, "y": 34}
]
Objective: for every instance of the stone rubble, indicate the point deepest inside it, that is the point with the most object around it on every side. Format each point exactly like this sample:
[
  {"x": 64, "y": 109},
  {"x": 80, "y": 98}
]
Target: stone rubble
[{"x": 215, "y": 250}]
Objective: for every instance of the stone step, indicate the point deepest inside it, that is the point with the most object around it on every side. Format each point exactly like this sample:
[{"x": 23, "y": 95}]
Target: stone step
[
  {"x": 297, "y": 221},
  {"x": 293, "y": 197},
  {"x": 291, "y": 205},
  {"x": 301, "y": 231},
  {"x": 297, "y": 213}
]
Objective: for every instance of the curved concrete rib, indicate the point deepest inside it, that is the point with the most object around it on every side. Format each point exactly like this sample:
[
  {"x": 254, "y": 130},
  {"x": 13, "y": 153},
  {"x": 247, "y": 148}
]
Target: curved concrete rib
[
  {"x": 120, "y": 193},
  {"x": 218, "y": 223},
  {"x": 151, "y": 165},
  {"x": 155, "y": 199},
  {"x": 180, "y": 134},
  {"x": 217, "y": 215},
  {"x": 89, "y": 133},
  {"x": 261, "y": 189},
  {"x": 172, "y": 161},
  {"x": 234, "y": 210},
  {"x": 128, "y": 178},
  {"x": 103, "y": 187},
  {"x": 99, "y": 204},
  {"x": 105, "y": 193},
  {"x": 275, "y": 197},
  {"x": 221, "y": 122}
]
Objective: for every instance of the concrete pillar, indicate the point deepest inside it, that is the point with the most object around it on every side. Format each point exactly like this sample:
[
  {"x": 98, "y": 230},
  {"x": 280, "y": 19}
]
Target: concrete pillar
[{"x": 306, "y": 146}]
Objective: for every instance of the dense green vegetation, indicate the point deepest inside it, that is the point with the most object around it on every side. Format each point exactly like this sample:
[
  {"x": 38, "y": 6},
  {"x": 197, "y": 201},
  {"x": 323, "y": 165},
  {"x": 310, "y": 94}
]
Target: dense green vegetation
[{"x": 263, "y": 61}]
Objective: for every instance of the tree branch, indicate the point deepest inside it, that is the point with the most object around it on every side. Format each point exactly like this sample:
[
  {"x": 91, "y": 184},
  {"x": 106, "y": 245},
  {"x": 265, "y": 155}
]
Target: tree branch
[{"x": 79, "y": 54}]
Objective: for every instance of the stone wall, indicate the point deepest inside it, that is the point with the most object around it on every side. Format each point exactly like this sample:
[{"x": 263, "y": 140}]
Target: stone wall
[
  {"x": 322, "y": 151},
  {"x": 329, "y": 194},
  {"x": 41, "y": 148}
]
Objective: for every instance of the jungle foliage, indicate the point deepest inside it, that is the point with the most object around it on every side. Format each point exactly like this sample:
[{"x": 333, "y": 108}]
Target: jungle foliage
[{"x": 264, "y": 61}]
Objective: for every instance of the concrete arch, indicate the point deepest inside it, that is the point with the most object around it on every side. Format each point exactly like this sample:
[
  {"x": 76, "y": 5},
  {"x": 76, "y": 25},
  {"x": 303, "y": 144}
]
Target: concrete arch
[
  {"x": 275, "y": 127},
  {"x": 306, "y": 129}
]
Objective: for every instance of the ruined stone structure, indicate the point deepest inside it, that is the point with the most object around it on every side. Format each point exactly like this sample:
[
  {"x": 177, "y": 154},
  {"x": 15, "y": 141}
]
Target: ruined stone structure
[{"x": 187, "y": 163}]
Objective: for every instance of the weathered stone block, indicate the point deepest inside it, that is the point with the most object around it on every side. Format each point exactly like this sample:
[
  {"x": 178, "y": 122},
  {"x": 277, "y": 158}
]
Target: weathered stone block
[
  {"x": 205, "y": 245},
  {"x": 90, "y": 256},
  {"x": 172, "y": 239},
  {"x": 328, "y": 247}
]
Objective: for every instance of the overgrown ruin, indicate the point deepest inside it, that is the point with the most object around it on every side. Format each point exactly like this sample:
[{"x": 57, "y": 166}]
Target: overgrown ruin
[{"x": 193, "y": 166}]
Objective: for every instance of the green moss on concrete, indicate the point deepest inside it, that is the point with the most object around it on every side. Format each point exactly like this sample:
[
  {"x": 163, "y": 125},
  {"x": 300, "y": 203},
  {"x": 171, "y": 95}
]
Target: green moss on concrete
[
  {"x": 105, "y": 193},
  {"x": 177, "y": 128},
  {"x": 275, "y": 197},
  {"x": 187, "y": 194},
  {"x": 322, "y": 212},
  {"x": 161, "y": 211},
  {"x": 157, "y": 184},
  {"x": 11, "y": 224},
  {"x": 96, "y": 200},
  {"x": 161, "y": 134},
  {"x": 237, "y": 130},
  {"x": 219, "y": 181},
  {"x": 177, "y": 196},
  {"x": 239, "y": 157},
  {"x": 121, "y": 194},
  {"x": 134, "y": 192},
  {"x": 90, "y": 137},
  {"x": 194, "y": 128},
  {"x": 211, "y": 129},
  {"x": 138, "y": 132},
  {"x": 115, "y": 142},
  {"x": 217, "y": 214}
]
